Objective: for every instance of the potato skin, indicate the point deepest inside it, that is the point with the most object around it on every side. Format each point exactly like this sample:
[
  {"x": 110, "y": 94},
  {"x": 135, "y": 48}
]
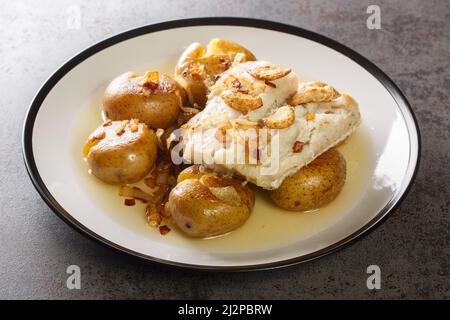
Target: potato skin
[
  {"x": 314, "y": 185},
  {"x": 119, "y": 159},
  {"x": 126, "y": 97},
  {"x": 223, "y": 46},
  {"x": 197, "y": 67},
  {"x": 198, "y": 212}
]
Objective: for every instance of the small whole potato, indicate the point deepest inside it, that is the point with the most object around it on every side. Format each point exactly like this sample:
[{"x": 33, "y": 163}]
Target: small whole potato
[
  {"x": 314, "y": 185},
  {"x": 205, "y": 204},
  {"x": 121, "y": 152},
  {"x": 198, "y": 67},
  {"x": 154, "y": 99}
]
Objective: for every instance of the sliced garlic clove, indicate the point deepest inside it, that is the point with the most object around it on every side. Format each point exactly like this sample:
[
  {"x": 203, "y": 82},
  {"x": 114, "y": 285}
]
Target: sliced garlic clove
[{"x": 282, "y": 118}]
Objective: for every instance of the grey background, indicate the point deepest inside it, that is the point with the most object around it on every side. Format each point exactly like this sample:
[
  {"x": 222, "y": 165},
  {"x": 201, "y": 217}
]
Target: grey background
[{"x": 412, "y": 247}]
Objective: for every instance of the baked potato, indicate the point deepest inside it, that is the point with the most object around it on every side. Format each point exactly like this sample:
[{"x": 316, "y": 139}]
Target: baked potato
[
  {"x": 121, "y": 151},
  {"x": 205, "y": 204},
  {"x": 314, "y": 185},
  {"x": 153, "y": 98},
  {"x": 198, "y": 67}
]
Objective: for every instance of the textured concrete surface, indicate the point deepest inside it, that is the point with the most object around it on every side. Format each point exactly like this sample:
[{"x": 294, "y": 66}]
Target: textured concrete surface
[{"x": 412, "y": 247}]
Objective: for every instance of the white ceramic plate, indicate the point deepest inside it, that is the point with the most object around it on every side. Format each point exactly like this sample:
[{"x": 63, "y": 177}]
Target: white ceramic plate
[{"x": 382, "y": 158}]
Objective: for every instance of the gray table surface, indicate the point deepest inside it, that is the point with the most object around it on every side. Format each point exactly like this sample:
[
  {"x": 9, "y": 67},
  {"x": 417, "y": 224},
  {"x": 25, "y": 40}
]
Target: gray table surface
[{"x": 411, "y": 248}]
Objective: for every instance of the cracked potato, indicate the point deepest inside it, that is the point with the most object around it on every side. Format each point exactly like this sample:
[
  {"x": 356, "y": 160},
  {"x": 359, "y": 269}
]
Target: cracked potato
[
  {"x": 198, "y": 67},
  {"x": 206, "y": 204},
  {"x": 154, "y": 99},
  {"x": 121, "y": 151},
  {"x": 314, "y": 185}
]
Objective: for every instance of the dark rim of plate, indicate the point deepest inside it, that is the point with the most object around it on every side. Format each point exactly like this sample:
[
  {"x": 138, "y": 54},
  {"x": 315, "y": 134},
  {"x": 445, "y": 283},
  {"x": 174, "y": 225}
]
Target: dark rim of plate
[{"x": 245, "y": 22}]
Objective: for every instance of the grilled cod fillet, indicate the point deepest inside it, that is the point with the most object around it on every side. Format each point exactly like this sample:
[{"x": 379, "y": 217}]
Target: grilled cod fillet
[{"x": 294, "y": 123}]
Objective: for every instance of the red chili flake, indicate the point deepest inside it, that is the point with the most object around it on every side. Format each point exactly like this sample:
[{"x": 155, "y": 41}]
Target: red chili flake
[
  {"x": 151, "y": 85},
  {"x": 238, "y": 85},
  {"x": 151, "y": 80},
  {"x": 225, "y": 62},
  {"x": 298, "y": 147},
  {"x": 163, "y": 230},
  {"x": 129, "y": 202}
]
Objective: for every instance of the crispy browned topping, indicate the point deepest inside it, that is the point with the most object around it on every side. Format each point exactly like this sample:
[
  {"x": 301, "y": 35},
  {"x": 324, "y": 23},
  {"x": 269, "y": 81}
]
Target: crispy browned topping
[
  {"x": 282, "y": 118},
  {"x": 313, "y": 92},
  {"x": 231, "y": 82},
  {"x": 298, "y": 147},
  {"x": 241, "y": 102},
  {"x": 236, "y": 84},
  {"x": 245, "y": 124},
  {"x": 239, "y": 84},
  {"x": 269, "y": 73},
  {"x": 195, "y": 70}
]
